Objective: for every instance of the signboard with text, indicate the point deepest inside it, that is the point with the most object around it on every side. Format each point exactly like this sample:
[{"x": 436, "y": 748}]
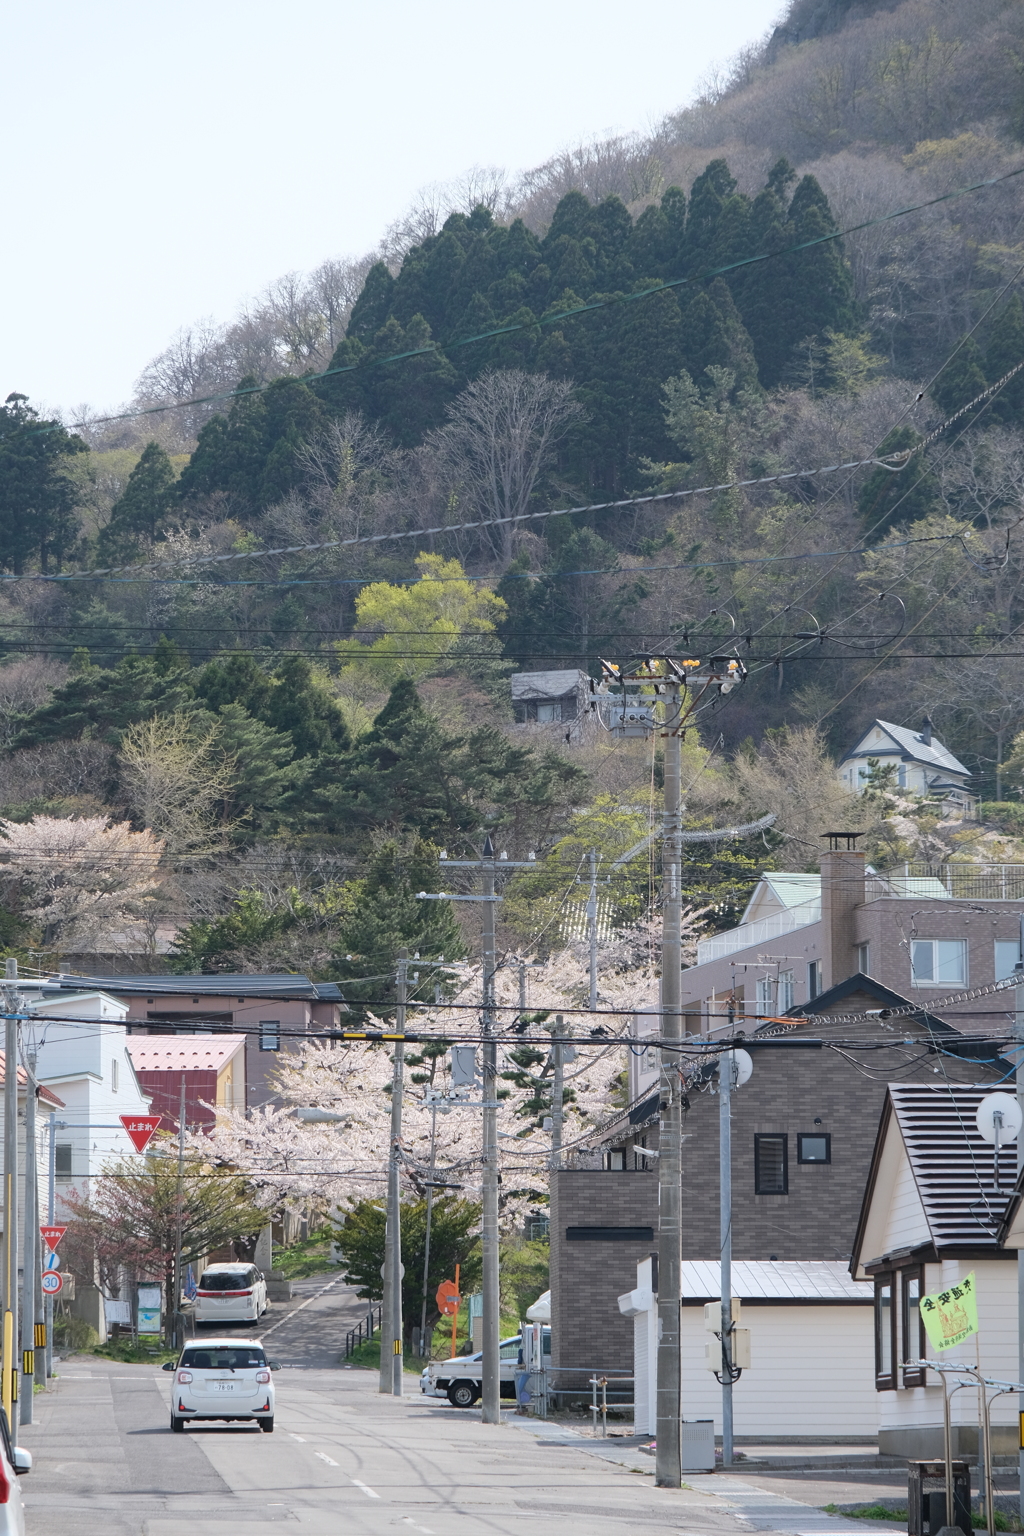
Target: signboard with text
[
  {"x": 141, "y": 1129},
  {"x": 950, "y": 1316}
]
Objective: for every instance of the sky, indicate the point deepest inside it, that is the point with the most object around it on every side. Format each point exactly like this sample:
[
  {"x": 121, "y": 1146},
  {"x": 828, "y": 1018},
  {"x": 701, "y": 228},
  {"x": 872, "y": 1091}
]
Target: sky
[{"x": 165, "y": 162}]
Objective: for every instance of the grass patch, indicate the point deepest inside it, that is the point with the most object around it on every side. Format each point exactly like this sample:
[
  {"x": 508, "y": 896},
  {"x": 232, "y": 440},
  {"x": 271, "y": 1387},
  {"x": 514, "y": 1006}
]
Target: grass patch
[
  {"x": 869, "y": 1512},
  {"x": 368, "y": 1354},
  {"x": 310, "y": 1257},
  {"x": 130, "y": 1352}
]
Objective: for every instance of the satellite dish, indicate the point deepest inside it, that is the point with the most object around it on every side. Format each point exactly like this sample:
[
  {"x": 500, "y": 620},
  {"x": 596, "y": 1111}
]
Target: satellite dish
[
  {"x": 1008, "y": 1127},
  {"x": 743, "y": 1066}
]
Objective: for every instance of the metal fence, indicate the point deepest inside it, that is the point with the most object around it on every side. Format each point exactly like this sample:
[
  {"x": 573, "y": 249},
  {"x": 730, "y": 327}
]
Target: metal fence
[
  {"x": 966, "y": 881},
  {"x": 363, "y": 1331}
]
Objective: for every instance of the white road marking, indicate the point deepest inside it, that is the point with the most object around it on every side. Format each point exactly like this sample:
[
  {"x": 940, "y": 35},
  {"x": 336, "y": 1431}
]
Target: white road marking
[
  {"x": 314, "y": 1297},
  {"x": 299, "y": 1437},
  {"x": 408, "y": 1520},
  {"x": 368, "y": 1491},
  {"x": 328, "y": 1460}
]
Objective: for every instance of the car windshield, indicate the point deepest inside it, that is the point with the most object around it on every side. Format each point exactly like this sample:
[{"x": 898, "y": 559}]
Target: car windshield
[
  {"x": 224, "y": 1280},
  {"x": 224, "y": 1359}
]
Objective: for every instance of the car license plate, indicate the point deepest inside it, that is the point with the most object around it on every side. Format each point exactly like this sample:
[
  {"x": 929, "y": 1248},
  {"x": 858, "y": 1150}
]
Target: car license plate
[{"x": 223, "y": 1386}]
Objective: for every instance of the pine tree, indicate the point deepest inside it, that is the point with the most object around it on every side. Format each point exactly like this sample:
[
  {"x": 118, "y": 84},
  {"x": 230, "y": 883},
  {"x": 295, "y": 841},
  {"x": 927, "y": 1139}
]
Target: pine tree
[
  {"x": 143, "y": 508},
  {"x": 373, "y": 306},
  {"x": 37, "y": 498}
]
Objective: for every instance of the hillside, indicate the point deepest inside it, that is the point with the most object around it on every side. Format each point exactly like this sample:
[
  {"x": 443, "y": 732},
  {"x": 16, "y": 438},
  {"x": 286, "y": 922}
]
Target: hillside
[{"x": 351, "y": 557}]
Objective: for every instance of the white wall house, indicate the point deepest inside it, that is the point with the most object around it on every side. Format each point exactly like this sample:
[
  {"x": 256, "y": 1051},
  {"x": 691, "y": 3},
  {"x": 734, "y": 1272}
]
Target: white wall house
[
  {"x": 82, "y": 1056},
  {"x": 931, "y": 1215},
  {"x": 923, "y": 765},
  {"x": 810, "y": 1329}
]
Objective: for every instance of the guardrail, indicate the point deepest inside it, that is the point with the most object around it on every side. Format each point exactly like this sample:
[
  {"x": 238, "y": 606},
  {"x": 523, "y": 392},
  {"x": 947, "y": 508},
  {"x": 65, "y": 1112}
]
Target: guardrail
[{"x": 362, "y": 1332}]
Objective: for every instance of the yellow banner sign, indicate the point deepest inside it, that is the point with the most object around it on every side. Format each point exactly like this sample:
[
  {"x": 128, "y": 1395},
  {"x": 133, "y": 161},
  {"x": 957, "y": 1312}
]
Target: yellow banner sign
[{"x": 951, "y": 1316}]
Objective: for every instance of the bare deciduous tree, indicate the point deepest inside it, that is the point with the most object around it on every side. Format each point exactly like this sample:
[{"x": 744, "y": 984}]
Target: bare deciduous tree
[
  {"x": 177, "y": 777},
  {"x": 500, "y": 436}
]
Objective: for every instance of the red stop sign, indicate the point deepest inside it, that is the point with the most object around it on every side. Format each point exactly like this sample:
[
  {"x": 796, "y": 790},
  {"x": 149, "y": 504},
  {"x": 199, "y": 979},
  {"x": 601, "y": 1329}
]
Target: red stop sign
[{"x": 141, "y": 1129}]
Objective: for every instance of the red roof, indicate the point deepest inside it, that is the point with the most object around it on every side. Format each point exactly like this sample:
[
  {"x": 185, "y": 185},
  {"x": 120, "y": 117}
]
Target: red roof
[{"x": 178, "y": 1053}]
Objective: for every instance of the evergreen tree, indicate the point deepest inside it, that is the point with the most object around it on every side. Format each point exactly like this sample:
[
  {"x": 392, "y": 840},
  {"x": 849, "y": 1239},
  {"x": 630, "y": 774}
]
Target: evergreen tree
[
  {"x": 263, "y": 769},
  {"x": 143, "y": 508},
  {"x": 961, "y": 379},
  {"x": 1005, "y": 350},
  {"x": 37, "y": 498},
  {"x": 888, "y": 497},
  {"x": 373, "y": 306},
  {"x": 101, "y": 703}
]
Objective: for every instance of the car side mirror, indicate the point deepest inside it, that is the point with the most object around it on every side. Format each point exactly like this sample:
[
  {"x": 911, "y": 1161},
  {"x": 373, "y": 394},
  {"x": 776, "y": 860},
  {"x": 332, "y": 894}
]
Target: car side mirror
[
  {"x": 22, "y": 1460},
  {"x": 169, "y": 1365},
  {"x": 275, "y": 1365}
]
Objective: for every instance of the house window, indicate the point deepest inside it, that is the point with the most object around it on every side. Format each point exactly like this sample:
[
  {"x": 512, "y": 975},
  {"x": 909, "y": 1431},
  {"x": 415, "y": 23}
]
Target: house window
[
  {"x": 764, "y": 996},
  {"x": 113, "y": 1075},
  {"x": 1007, "y": 955},
  {"x": 939, "y": 962},
  {"x": 862, "y": 952},
  {"x": 814, "y": 1148},
  {"x": 915, "y": 1343},
  {"x": 813, "y": 979},
  {"x": 771, "y": 1165},
  {"x": 786, "y": 991},
  {"x": 270, "y": 1034},
  {"x": 885, "y": 1335},
  {"x": 62, "y": 1160},
  {"x": 615, "y": 1160}
]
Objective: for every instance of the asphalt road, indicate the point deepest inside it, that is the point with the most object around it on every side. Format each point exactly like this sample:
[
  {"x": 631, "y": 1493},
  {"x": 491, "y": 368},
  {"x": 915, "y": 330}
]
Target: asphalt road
[{"x": 345, "y": 1461}]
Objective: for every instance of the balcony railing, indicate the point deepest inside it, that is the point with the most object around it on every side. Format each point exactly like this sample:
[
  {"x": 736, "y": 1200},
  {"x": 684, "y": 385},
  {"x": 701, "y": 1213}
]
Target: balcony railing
[
  {"x": 961, "y": 881},
  {"x": 747, "y": 935}
]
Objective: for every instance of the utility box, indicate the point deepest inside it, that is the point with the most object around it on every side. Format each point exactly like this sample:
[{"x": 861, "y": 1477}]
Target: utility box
[
  {"x": 926, "y": 1497},
  {"x": 740, "y": 1350},
  {"x": 713, "y": 1314},
  {"x": 698, "y": 1445}
]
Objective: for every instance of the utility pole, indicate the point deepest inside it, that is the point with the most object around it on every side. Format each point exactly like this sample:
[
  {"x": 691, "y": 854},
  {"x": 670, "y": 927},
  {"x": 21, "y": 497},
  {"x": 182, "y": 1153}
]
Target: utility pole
[
  {"x": 1018, "y": 1032},
  {"x": 489, "y": 867},
  {"x": 392, "y": 1365},
  {"x": 51, "y": 1196},
  {"x": 726, "y": 1082},
  {"x": 30, "y": 1260},
  {"x": 8, "y": 1364},
  {"x": 426, "y": 1237},
  {"x": 592, "y": 927},
  {"x": 557, "y": 1095},
  {"x": 177, "y": 1321},
  {"x": 668, "y": 1454}
]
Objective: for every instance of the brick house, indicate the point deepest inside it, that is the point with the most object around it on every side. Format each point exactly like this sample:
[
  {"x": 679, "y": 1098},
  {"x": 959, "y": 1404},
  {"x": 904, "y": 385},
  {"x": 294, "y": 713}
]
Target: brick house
[{"x": 803, "y": 1127}]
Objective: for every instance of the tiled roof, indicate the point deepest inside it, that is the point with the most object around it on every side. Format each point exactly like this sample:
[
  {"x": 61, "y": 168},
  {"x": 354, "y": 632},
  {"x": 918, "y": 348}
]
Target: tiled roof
[
  {"x": 182, "y": 1053},
  {"x": 774, "y": 1280},
  {"x": 221, "y": 985},
  {"x": 953, "y": 1166}
]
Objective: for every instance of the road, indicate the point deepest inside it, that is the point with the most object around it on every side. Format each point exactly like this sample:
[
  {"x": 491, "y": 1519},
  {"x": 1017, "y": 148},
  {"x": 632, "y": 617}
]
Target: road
[{"x": 345, "y": 1461}]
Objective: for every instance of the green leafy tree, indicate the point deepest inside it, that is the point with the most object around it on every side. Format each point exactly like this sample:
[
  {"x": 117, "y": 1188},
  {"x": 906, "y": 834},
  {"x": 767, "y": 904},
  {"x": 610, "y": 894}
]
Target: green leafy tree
[
  {"x": 454, "y": 1239},
  {"x": 37, "y": 496}
]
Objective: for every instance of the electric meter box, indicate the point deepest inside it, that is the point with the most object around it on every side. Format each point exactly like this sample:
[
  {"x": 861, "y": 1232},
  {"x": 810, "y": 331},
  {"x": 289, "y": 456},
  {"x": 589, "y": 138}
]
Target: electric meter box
[
  {"x": 713, "y": 1314},
  {"x": 740, "y": 1341}
]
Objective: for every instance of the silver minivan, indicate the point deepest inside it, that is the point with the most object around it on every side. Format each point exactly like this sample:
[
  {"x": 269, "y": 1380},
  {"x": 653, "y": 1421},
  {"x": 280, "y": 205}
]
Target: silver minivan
[{"x": 230, "y": 1293}]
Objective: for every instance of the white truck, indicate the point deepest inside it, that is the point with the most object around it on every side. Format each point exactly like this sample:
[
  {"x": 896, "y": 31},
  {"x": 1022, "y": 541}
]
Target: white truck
[{"x": 461, "y": 1379}]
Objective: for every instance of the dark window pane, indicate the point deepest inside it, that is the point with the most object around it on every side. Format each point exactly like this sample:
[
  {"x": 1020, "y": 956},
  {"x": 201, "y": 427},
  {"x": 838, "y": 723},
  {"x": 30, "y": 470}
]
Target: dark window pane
[
  {"x": 814, "y": 1149},
  {"x": 770, "y": 1165},
  {"x": 62, "y": 1160}
]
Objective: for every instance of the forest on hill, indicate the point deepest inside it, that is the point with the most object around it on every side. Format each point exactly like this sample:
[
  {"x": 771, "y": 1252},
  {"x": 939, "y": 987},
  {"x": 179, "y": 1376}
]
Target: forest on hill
[{"x": 276, "y": 629}]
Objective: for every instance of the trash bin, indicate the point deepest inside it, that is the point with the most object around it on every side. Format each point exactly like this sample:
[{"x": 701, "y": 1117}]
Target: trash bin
[{"x": 926, "y": 1497}]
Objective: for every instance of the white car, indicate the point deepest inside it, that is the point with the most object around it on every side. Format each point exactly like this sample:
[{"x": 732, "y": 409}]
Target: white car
[
  {"x": 460, "y": 1380},
  {"x": 230, "y": 1293},
  {"x": 14, "y": 1462},
  {"x": 222, "y": 1379}
]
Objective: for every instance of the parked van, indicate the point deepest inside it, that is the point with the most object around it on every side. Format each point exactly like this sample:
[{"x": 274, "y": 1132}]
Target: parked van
[{"x": 230, "y": 1293}]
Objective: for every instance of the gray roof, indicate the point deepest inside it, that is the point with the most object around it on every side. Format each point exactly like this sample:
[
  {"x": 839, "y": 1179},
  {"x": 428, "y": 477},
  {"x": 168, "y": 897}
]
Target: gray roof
[
  {"x": 763, "y": 1280},
  {"x": 547, "y": 685},
  {"x": 910, "y": 744},
  {"x": 220, "y": 985}
]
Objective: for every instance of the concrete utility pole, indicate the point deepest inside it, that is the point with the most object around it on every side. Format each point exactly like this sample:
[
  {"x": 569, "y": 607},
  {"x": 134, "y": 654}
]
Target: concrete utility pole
[
  {"x": 177, "y": 1321},
  {"x": 1018, "y": 1032},
  {"x": 391, "y": 1331},
  {"x": 592, "y": 927},
  {"x": 490, "y": 1403},
  {"x": 557, "y": 1094},
  {"x": 51, "y": 1196},
  {"x": 30, "y": 1260},
  {"x": 9, "y": 1277},
  {"x": 668, "y": 1455},
  {"x": 726, "y": 1083},
  {"x": 489, "y": 867}
]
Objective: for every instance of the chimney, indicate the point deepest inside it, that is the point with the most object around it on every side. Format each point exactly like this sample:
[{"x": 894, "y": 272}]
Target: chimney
[
  {"x": 842, "y": 890},
  {"x": 926, "y": 731}
]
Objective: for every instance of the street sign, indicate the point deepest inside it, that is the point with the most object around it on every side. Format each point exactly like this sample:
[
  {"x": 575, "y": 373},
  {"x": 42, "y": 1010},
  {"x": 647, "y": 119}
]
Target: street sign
[
  {"x": 52, "y": 1261},
  {"x": 447, "y": 1298},
  {"x": 950, "y": 1316},
  {"x": 51, "y": 1236},
  {"x": 52, "y": 1282},
  {"x": 141, "y": 1129}
]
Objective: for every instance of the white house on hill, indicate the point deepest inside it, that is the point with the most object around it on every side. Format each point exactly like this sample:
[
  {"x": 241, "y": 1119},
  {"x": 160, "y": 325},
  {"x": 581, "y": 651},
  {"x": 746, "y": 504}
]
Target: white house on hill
[{"x": 923, "y": 765}]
